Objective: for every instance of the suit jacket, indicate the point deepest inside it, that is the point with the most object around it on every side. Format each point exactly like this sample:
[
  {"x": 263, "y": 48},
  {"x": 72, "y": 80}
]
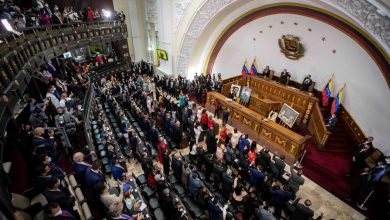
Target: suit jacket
[
  {"x": 295, "y": 181},
  {"x": 195, "y": 185},
  {"x": 227, "y": 182},
  {"x": 80, "y": 168},
  {"x": 302, "y": 212},
  {"x": 92, "y": 177},
  {"x": 257, "y": 177},
  {"x": 117, "y": 171},
  {"x": 60, "y": 197},
  {"x": 277, "y": 166}
]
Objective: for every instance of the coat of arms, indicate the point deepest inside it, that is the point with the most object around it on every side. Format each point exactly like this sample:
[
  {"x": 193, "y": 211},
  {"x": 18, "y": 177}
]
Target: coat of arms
[{"x": 291, "y": 47}]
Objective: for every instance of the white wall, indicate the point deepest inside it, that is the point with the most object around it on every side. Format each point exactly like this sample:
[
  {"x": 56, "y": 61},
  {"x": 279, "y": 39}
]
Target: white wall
[
  {"x": 123, "y": 5},
  {"x": 165, "y": 32},
  {"x": 367, "y": 95}
]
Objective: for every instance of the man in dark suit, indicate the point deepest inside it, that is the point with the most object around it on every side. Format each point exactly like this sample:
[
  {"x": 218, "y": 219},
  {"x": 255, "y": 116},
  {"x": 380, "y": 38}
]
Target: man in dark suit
[
  {"x": 277, "y": 165},
  {"x": 365, "y": 149},
  {"x": 264, "y": 158},
  {"x": 360, "y": 185},
  {"x": 279, "y": 197},
  {"x": 284, "y": 77},
  {"x": 296, "y": 180},
  {"x": 94, "y": 174},
  {"x": 211, "y": 142},
  {"x": 303, "y": 212},
  {"x": 306, "y": 83},
  {"x": 117, "y": 169},
  {"x": 80, "y": 165},
  {"x": 59, "y": 195},
  {"x": 227, "y": 184},
  {"x": 256, "y": 177}
]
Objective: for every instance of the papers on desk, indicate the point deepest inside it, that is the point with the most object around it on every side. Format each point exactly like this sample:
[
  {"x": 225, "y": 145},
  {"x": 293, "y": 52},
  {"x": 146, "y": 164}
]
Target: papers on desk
[
  {"x": 229, "y": 100},
  {"x": 143, "y": 206}
]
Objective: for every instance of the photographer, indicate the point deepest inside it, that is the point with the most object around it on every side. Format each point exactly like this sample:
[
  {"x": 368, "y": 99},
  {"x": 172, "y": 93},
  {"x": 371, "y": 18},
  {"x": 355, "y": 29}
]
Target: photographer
[
  {"x": 41, "y": 144},
  {"x": 65, "y": 119}
]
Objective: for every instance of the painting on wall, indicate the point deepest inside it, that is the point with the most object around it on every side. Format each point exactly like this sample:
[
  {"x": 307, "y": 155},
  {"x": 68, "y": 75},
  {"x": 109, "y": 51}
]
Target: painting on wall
[{"x": 288, "y": 115}]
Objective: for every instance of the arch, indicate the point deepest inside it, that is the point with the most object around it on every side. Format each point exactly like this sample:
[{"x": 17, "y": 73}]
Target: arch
[{"x": 362, "y": 38}]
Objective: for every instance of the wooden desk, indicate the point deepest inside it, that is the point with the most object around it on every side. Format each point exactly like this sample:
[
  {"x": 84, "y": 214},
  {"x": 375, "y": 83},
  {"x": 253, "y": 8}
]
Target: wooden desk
[
  {"x": 272, "y": 135},
  {"x": 302, "y": 102}
]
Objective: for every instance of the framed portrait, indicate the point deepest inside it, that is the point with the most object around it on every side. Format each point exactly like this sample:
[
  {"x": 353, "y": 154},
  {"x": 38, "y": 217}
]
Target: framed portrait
[
  {"x": 235, "y": 91},
  {"x": 288, "y": 115},
  {"x": 245, "y": 94}
]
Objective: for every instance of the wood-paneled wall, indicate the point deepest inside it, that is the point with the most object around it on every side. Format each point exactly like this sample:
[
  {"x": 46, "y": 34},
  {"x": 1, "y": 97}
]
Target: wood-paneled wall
[
  {"x": 317, "y": 127},
  {"x": 270, "y": 134},
  {"x": 352, "y": 127}
]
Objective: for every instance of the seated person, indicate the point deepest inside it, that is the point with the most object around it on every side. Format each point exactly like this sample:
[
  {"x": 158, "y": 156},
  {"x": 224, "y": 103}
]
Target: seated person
[
  {"x": 284, "y": 77},
  {"x": 306, "y": 83},
  {"x": 331, "y": 122},
  {"x": 57, "y": 213},
  {"x": 266, "y": 72},
  {"x": 54, "y": 193}
]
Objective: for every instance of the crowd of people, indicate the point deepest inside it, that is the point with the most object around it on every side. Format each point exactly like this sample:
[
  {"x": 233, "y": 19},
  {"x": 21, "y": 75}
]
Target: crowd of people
[
  {"x": 222, "y": 176},
  {"x": 43, "y": 13}
]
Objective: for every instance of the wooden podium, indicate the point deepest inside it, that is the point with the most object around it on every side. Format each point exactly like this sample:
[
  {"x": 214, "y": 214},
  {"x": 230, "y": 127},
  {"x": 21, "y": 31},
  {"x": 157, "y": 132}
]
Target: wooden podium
[{"x": 265, "y": 132}]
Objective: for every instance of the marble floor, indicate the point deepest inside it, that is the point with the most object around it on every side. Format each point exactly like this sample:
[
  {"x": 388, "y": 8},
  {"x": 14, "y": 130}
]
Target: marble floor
[{"x": 322, "y": 201}]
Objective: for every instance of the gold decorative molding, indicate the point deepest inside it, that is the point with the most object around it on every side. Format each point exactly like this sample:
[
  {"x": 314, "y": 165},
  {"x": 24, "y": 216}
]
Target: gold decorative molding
[
  {"x": 280, "y": 141},
  {"x": 266, "y": 134}
]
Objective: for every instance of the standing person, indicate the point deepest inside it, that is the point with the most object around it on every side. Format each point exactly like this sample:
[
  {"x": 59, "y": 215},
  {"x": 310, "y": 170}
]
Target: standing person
[
  {"x": 204, "y": 119},
  {"x": 284, "y": 77},
  {"x": 223, "y": 134},
  {"x": 364, "y": 150},
  {"x": 225, "y": 116},
  {"x": 360, "y": 185},
  {"x": 197, "y": 130},
  {"x": 165, "y": 160},
  {"x": 296, "y": 180},
  {"x": 162, "y": 145},
  {"x": 217, "y": 107},
  {"x": 211, "y": 141},
  {"x": 306, "y": 83}
]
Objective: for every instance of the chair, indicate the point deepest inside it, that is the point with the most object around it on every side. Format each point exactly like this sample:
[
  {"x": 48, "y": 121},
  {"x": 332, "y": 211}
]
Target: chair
[
  {"x": 172, "y": 179},
  {"x": 141, "y": 180},
  {"x": 178, "y": 189},
  {"x": 159, "y": 214},
  {"x": 153, "y": 203},
  {"x": 73, "y": 181},
  {"x": 271, "y": 75},
  {"x": 79, "y": 195},
  {"x": 86, "y": 211},
  {"x": 147, "y": 192},
  {"x": 194, "y": 209}
]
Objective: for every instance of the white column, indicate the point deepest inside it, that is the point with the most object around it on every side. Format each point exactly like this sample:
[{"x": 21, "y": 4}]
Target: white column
[{"x": 137, "y": 23}]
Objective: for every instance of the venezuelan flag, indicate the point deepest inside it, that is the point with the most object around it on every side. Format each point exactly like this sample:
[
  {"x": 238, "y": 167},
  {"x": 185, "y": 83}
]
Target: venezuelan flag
[
  {"x": 337, "y": 101},
  {"x": 253, "y": 70},
  {"x": 327, "y": 92},
  {"x": 245, "y": 71}
]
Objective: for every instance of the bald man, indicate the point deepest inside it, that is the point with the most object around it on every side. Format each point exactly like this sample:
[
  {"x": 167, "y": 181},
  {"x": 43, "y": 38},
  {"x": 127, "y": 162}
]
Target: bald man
[
  {"x": 41, "y": 144},
  {"x": 303, "y": 211},
  {"x": 80, "y": 165}
]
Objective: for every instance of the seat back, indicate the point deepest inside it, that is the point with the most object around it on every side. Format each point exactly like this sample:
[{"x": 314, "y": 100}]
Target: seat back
[
  {"x": 86, "y": 211},
  {"x": 79, "y": 195},
  {"x": 73, "y": 181}
]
